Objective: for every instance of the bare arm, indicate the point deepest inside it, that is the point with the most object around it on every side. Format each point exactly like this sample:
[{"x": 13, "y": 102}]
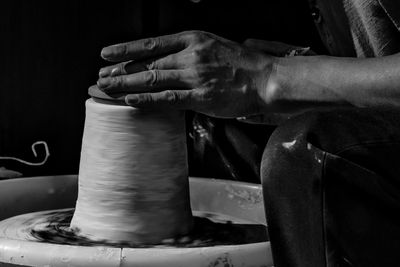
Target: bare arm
[
  {"x": 307, "y": 82},
  {"x": 212, "y": 75}
]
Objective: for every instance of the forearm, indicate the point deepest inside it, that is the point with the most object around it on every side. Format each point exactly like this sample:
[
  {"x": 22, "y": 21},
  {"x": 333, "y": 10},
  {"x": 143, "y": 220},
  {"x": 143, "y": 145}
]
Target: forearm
[{"x": 300, "y": 83}]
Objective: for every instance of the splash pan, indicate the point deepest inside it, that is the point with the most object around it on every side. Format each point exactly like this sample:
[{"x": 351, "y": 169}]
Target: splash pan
[{"x": 37, "y": 197}]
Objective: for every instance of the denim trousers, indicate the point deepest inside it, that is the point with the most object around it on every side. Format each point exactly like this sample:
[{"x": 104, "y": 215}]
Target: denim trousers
[
  {"x": 330, "y": 178},
  {"x": 331, "y": 185}
]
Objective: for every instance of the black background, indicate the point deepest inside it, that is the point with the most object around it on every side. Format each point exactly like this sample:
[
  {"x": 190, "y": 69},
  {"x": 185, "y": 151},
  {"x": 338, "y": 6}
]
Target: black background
[{"x": 50, "y": 56}]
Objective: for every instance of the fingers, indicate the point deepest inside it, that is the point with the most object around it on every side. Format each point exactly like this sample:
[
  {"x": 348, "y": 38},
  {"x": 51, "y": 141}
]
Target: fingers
[
  {"x": 164, "y": 63},
  {"x": 145, "y": 81},
  {"x": 176, "y": 99},
  {"x": 145, "y": 48}
]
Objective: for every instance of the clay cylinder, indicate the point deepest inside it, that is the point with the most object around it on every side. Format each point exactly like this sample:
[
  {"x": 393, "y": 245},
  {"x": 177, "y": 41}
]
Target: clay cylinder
[{"x": 133, "y": 175}]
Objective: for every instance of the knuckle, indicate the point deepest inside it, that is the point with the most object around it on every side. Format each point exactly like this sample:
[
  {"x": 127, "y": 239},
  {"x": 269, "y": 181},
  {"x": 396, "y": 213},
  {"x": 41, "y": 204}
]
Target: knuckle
[
  {"x": 199, "y": 75},
  {"x": 145, "y": 98},
  {"x": 122, "y": 50},
  {"x": 151, "y": 44},
  {"x": 192, "y": 36},
  {"x": 248, "y": 42},
  {"x": 172, "y": 97},
  {"x": 198, "y": 56},
  {"x": 211, "y": 44},
  {"x": 151, "y": 77},
  {"x": 119, "y": 81},
  {"x": 197, "y": 36}
]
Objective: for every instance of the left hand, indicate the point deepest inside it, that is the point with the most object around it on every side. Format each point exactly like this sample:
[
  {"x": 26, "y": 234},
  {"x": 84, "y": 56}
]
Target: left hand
[{"x": 189, "y": 70}]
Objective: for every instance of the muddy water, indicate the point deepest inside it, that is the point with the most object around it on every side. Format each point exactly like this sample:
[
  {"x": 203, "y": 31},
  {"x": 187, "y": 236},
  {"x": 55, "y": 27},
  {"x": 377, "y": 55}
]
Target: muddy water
[{"x": 210, "y": 229}]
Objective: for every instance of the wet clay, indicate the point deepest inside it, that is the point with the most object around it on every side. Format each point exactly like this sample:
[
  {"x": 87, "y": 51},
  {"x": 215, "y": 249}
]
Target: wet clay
[
  {"x": 54, "y": 227},
  {"x": 133, "y": 175}
]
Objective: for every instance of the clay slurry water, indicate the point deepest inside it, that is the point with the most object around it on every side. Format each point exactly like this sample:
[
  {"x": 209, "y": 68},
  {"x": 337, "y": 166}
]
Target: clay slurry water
[{"x": 54, "y": 227}]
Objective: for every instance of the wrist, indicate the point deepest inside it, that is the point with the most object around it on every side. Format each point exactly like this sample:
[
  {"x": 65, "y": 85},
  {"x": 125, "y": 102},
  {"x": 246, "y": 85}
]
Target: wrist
[
  {"x": 270, "y": 86},
  {"x": 289, "y": 84},
  {"x": 304, "y": 82}
]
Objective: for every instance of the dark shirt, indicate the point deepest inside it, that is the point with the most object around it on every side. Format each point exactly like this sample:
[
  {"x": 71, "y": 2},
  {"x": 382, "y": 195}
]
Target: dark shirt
[{"x": 363, "y": 28}]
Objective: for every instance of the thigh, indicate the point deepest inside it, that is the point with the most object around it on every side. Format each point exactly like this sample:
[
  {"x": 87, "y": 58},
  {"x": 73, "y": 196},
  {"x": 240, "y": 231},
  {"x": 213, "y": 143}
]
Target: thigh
[{"x": 331, "y": 185}]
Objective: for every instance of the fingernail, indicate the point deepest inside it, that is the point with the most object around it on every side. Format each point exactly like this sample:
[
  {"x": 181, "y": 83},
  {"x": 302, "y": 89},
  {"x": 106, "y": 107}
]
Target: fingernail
[
  {"x": 104, "y": 83},
  {"x": 103, "y": 73},
  {"x": 113, "y": 52},
  {"x": 105, "y": 52},
  {"x": 110, "y": 51},
  {"x": 131, "y": 100}
]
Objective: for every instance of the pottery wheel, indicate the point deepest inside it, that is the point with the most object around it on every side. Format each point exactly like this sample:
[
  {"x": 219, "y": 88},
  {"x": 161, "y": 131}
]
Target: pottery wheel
[{"x": 54, "y": 227}]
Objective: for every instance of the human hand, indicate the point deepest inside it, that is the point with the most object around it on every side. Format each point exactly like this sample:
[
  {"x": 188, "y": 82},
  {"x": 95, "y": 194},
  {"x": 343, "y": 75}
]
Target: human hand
[
  {"x": 189, "y": 70},
  {"x": 277, "y": 49}
]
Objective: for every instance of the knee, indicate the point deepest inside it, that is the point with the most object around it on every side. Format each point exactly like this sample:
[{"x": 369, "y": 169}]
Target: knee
[{"x": 295, "y": 142}]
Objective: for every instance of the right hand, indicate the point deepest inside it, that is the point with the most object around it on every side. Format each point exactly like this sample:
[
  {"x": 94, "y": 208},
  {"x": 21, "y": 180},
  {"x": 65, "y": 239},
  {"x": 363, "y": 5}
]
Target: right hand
[{"x": 189, "y": 70}]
